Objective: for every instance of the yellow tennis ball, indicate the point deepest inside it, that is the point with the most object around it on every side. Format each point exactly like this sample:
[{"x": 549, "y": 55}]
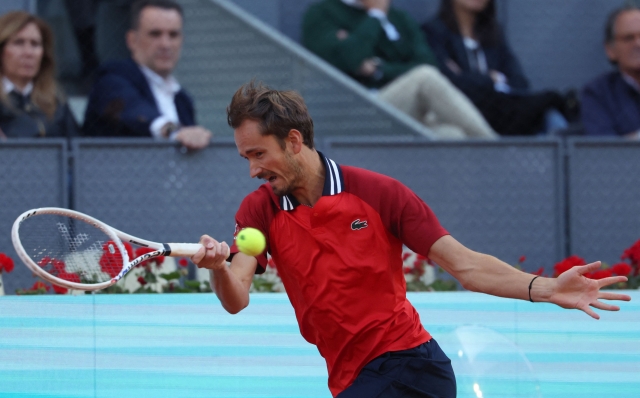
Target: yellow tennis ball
[{"x": 251, "y": 242}]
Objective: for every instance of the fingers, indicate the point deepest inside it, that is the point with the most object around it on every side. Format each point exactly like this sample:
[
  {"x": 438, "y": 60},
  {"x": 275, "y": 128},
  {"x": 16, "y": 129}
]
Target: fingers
[
  {"x": 583, "y": 269},
  {"x": 605, "y": 307},
  {"x": 591, "y": 313},
  {"x": 614, "y": 296},
  {"x": 197, "y": 258},
  {"x": 212, "y": 255},
  {"x": 611, "y": 280},
  {"x": 226, "y": 250},
  {"x": 194, "y": 137}
]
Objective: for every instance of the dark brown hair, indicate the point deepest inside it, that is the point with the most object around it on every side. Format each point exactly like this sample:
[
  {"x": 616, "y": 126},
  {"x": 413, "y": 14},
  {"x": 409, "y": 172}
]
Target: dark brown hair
[
  {"x": 139, "y": 5},
  {"x": 278, "y": 112},
  {"x": 610, "y": 25},
  {"x": 45, "y": 93},
  {"x": 486, "y": 29}
]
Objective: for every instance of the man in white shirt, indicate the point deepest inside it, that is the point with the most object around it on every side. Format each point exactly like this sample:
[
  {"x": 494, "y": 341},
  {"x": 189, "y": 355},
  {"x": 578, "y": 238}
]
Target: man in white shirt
[{"x": 139, "y": 96}]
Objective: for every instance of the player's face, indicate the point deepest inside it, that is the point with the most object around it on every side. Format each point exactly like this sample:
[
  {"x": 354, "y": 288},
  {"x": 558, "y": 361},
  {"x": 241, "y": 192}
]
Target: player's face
[
  {"x": 22, "y": 55},
  {"x": 267, "y": 159},
  {"x": 625, "y": 47},
  {"x": 157, "y": 42}
]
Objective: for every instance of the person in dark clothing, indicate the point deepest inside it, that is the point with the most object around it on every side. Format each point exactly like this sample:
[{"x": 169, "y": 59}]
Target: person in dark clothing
[
  {"x": 474, "y": 54},
  {"x": 139, "y": 97},
  {"x": 611, "y": 102},
  {"x": 382, "y": 48},
  {"x": 30, "y": 104}
]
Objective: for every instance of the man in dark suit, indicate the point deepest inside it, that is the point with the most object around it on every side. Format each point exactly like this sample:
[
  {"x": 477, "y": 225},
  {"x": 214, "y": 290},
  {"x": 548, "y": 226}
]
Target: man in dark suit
[
  {"x": 139, "y": 97},
  {"x": 611, "y": 102}
]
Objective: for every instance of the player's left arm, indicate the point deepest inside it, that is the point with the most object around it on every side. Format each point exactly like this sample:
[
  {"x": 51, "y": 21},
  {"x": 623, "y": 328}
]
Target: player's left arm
[{"x": 487, "y": 274}]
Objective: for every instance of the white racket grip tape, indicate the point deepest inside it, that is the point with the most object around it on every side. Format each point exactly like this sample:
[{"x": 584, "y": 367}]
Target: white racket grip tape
[{"x": 183, "y": 249}]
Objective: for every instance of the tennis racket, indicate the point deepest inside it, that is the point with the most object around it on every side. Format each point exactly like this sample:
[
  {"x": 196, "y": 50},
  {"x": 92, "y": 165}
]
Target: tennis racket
[{"x": 76, "y": 251}]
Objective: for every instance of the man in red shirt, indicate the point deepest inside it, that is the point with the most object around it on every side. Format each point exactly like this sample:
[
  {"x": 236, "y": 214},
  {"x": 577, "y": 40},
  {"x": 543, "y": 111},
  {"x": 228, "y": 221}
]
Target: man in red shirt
[{"x": 336, "y": 233}]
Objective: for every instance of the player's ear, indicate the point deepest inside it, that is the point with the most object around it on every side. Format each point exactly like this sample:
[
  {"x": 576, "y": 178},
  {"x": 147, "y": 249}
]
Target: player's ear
[
  {"x": 611, "y": 52},
  {"x": 131, "y": 38},
  {"x": 295, "y": 138}
]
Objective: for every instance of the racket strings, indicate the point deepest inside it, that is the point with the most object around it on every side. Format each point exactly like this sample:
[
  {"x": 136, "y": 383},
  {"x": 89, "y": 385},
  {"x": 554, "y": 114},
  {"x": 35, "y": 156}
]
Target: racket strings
[{"x": 70, "y": 249}]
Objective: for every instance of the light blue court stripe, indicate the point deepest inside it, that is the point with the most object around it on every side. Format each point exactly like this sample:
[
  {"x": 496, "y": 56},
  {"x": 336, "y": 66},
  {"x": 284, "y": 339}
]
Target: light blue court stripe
[
  {"x": 587, "y": 389},
  {"x": 68, "y": 322},
  {"x": 186, "y": 345},
  {"x": 137, "y": 384},
  {"x": 205, "y": 351}
]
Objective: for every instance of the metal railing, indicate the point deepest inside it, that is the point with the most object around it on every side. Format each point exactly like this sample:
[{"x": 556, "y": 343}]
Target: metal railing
[{"x": 544, "y": 199}]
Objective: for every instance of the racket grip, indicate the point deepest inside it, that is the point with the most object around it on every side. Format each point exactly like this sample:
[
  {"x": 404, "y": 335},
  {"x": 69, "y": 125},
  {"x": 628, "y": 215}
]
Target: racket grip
[{"x": 183, "y": 249}]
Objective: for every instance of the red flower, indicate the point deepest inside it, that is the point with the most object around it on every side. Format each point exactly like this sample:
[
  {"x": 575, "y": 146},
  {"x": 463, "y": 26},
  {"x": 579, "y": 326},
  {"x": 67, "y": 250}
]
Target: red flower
[
  {"x": 539, "y": 271},
  {"x": 159, "y": 260},
  {"x": 600, "y": 274},
  {"x": 111, "y": 265},
  {"x": 183, "y": 262},
  {"x": 67, "y": 276},
  {"x": 417, "y": 264},
  {"x": 407, "y": 270},
  {"x": 44, "y": 261},
  {"x": 60, "y": 289},
  {"x": 622, "y": 269},
  {"x": 6, "y": 263},
  {"x": 632, "y": 253},
  {"x": 405, "y": 256},
  {"x": 142, "y": 281},
  {"x": 129, "y": 250},
  {"x": 522, "y": 259},
  {"x": 58, "y": 266},
  {"x": 568, "y": 263},
  {"x": 141, "y": 251},
  {"x": 421, "y": 257},
  {"x": 40, "y": 285},
  {"x": 111, "y": 260}
]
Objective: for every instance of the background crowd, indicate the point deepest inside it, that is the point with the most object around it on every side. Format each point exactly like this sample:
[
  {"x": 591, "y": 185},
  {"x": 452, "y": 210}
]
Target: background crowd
[{"x": 455, "y": 72}]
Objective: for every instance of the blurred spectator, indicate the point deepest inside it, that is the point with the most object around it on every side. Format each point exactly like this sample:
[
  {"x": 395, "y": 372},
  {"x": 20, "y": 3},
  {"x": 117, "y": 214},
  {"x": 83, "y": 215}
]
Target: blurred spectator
[
  {"x": 112, "y": 23},
  {"x": 82, "y": 15},
  {"x": 473, "y": 52},
  {"x": 30, "y": 103},
  {"x": 382, "y": 48},
  {"x": 139, "y": 96},
  {"x": 611, "y": 102}
]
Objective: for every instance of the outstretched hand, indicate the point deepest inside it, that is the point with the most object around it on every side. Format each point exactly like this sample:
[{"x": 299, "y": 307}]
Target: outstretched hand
[{"x": 574, "y": 290}]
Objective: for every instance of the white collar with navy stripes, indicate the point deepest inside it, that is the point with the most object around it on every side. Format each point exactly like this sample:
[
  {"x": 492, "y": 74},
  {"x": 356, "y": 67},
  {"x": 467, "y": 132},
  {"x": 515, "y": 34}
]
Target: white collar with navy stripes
[{"x": 333, "y": 184}]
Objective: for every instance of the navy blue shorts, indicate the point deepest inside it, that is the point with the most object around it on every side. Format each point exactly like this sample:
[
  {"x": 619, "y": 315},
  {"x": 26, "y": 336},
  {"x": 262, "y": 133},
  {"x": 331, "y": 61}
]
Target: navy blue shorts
[{"x": 424, "y": 371}]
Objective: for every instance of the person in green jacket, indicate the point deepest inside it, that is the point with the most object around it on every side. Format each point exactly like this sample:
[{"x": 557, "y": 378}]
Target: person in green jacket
[{"x": 384, "y": 49}]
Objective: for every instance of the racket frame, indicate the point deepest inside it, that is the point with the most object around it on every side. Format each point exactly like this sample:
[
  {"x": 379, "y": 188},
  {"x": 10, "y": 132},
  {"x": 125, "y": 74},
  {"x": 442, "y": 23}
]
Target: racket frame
[{"x": 159, "y": 249}]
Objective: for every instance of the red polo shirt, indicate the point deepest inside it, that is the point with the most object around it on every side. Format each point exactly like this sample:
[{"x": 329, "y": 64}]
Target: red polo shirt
[{"x": 341, "y": 263}]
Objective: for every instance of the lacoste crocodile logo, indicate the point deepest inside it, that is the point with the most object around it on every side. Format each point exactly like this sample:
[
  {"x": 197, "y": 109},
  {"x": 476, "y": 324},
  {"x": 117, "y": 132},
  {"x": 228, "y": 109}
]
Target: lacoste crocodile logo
[{"x": 357, "y": 224}]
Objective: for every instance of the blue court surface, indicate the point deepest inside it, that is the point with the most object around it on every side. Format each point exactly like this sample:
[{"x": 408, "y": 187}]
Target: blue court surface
[{"x": 172, "y": 345}]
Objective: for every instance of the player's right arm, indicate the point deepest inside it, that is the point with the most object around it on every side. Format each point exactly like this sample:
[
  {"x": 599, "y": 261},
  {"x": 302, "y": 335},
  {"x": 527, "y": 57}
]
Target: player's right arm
[{"x": 231, "y": 284}]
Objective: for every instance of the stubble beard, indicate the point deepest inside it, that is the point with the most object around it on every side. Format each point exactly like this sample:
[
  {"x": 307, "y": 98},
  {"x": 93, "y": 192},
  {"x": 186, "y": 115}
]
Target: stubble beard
[{"x": 295, "y": 170}]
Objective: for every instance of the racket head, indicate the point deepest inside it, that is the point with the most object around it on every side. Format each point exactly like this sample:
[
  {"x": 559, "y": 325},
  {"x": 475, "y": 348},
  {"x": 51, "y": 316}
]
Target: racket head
[{"x": 69, "y": 248}]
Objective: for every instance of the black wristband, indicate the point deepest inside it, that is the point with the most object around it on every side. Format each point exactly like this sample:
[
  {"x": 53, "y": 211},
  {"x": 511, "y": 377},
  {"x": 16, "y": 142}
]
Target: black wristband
[{"x": 530, "y": 284}]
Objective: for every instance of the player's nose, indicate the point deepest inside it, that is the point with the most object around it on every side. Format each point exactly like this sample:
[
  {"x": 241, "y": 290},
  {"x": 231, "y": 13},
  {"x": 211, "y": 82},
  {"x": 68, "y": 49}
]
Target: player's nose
[{"x": 254, "y": 170}]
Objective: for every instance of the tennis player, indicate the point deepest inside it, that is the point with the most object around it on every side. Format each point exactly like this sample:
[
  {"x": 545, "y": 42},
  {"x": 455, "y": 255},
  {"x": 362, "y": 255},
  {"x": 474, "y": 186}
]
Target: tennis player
[{"x": 336, "y": 233}]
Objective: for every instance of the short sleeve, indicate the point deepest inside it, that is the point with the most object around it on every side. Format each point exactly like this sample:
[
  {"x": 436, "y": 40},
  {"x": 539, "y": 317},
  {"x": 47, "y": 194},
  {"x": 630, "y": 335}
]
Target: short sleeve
[
  {"x": 256, "y": 211},
  {"x": 403, "y": 213}
]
